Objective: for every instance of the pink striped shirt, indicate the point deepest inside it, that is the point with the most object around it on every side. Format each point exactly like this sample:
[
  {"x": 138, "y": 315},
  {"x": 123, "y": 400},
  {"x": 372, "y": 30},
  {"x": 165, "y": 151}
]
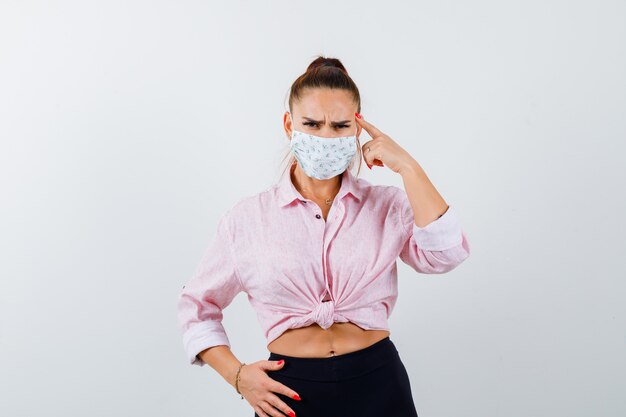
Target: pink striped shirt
[{"x": 299, "y": 269}]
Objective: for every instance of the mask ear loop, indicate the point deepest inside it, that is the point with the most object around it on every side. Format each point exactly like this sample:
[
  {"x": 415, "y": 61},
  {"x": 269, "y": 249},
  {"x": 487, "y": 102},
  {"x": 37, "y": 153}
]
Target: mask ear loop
[{"x": 359, "y": 152}]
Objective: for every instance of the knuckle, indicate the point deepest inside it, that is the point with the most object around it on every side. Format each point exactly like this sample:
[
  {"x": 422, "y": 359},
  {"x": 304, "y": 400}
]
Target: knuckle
[
  {"x": 277, "y": 387},
  {"x": 272, "y": 411},
  {"x": 283, "y": 389},
  {"x": 287, "y": 391},
  {"x": 277, "y": 410},
  {"x": 266, "y": 407},
  {"x": 284, "y": 408},
  {"x": 267, "y": 396}
]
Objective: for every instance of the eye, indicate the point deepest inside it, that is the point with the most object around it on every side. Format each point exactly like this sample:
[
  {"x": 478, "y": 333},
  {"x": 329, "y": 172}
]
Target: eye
[{"x": 315, "y": 124}]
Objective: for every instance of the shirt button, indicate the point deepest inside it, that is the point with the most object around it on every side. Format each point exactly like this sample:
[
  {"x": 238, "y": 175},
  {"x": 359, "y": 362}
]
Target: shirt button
[{"x": 318, "y": 216}]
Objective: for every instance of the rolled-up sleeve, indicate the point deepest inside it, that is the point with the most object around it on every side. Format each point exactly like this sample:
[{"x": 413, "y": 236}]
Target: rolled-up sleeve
[
  {"x": 438, "y": 247},
  {"x": 212, "y": 287}
]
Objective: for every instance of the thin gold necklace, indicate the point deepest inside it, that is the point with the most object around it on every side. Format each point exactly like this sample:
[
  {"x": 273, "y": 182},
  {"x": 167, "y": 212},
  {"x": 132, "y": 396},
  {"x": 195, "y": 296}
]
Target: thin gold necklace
[{"x": 328, "y": 201}]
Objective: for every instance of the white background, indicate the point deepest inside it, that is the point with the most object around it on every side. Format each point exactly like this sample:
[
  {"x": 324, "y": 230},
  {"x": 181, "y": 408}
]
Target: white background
[{"x": 128, "y": 127}]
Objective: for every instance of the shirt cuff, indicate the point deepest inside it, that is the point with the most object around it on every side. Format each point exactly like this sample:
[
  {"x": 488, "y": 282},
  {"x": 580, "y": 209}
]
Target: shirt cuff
[
  {"x": 440, "y": 234},
  {"x": 203, "y": 336}
]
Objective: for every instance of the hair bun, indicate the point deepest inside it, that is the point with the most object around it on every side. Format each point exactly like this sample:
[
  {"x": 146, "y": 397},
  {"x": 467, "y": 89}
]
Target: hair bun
[{"x": 326, "y": 62}]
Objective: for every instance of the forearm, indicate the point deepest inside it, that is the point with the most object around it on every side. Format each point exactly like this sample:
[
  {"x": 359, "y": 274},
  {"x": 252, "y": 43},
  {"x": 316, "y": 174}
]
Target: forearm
[
  {"x": 223, "y": 361},
  {"x": 427, "y": 203}
]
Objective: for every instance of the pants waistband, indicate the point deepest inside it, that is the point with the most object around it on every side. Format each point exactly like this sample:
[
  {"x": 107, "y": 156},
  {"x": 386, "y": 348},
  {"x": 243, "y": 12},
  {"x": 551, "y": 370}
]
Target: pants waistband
[{"x": 332, "y": 368}]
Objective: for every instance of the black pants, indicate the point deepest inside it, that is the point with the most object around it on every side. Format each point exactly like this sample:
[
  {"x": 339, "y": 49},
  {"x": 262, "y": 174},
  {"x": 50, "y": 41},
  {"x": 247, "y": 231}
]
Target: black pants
[{"x": 371, "y": 382}]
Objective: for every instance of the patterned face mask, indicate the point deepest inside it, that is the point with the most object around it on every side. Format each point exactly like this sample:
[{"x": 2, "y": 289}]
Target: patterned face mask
[{"x": 322, "y": 158}]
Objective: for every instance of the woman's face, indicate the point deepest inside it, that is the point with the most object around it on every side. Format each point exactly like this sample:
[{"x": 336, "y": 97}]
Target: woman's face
[{"x": 324, "y": 112}]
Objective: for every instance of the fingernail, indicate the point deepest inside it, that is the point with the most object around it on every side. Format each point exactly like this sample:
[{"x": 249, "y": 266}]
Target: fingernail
[
  {"x": 358, "y": 115},
  {"x": 292, "y": 414},
  {"x": 369, "y": 166},
  {"x": 280, "y": 362},
  {"x": 296, "y": 397}
]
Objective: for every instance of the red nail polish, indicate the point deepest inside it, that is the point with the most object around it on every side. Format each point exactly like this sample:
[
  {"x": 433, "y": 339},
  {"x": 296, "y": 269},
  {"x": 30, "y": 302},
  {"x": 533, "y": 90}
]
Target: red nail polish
[
  {"x": 292, "y": 414},
  {"x": 357, "y": 115},
  {"x": 296, "y": 397},
  {"x": 280, "y": 362}
]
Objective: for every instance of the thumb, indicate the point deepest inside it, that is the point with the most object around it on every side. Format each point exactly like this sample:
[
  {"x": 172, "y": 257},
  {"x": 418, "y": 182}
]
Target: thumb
[{"x": 270, "y": 365}]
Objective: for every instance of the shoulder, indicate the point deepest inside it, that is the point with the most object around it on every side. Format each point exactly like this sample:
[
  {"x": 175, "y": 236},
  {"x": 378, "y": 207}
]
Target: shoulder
[
  {"x": 256, "y": 201},
  {"x": 251, "y": 206}
]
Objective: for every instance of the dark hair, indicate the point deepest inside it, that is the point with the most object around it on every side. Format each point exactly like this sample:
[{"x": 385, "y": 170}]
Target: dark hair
[{"x": 324, "y": 73}]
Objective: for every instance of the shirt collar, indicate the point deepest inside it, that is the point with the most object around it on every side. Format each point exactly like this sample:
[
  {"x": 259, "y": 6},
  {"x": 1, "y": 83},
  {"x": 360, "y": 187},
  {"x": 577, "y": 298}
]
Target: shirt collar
[{"x": 287, "y": 192}]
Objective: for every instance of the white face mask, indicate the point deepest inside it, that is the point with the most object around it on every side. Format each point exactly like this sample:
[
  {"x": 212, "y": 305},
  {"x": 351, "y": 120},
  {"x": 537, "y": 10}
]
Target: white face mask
[{"x": 322, "y": 158}]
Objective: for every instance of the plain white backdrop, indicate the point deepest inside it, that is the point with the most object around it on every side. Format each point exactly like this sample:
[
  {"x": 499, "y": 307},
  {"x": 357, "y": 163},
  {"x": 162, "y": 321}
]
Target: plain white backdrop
[{"x": 128, "y": 127}]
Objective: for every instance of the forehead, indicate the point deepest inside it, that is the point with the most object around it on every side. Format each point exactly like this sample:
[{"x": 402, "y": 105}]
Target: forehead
[{"x": 317, "y": 102}]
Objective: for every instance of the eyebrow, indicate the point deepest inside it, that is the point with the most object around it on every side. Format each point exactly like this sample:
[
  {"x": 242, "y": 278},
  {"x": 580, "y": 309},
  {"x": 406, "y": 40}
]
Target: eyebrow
[{"x": 332, "y": 123}]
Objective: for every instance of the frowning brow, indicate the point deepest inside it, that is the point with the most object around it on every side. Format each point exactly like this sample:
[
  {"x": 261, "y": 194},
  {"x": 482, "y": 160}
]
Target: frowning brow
[{"x": 341, "y": 122}]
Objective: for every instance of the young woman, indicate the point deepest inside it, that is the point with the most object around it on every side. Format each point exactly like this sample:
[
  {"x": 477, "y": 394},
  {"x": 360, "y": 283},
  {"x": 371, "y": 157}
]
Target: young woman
[{"x": 316, "y": 254}]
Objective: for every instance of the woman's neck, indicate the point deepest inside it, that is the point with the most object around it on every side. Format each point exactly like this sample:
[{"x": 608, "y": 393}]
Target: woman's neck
[{"x": 312, "y": 187}]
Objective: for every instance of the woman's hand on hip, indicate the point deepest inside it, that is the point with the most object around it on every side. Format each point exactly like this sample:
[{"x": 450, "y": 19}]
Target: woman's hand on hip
[{"x": 259, "y": 389}]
